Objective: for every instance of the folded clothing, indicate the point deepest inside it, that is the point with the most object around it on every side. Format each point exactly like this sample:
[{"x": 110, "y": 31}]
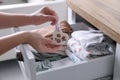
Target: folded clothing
[
  {"x": 98, "y": 49},
  {"x": 72, "y": 57},
  {"x": 47, "y": 56},
  {"x": 75, "y": 51},
  {"x": 87, "y": 45},
  {"x": 87, "y": 37},
  {"x": 43, "y": 60},
  {"x": 43, "y": 65}
]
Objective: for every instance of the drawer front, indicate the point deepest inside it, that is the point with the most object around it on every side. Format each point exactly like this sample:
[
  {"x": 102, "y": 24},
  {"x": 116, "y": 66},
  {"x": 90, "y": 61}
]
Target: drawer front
[{"x": 83, "y": 71}]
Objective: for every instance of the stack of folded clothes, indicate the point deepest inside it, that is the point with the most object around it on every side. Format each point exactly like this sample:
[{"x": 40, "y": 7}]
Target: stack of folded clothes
[{"x": 88, "y": 44}]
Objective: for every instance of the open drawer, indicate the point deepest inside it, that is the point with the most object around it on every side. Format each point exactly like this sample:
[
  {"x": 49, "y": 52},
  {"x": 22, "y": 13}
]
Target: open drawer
[{"x": 87, "y": 70}]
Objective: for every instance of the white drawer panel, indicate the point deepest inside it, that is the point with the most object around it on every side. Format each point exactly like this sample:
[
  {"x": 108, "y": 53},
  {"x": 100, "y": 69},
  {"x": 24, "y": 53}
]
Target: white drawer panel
[{"x": 83, "y": 71}]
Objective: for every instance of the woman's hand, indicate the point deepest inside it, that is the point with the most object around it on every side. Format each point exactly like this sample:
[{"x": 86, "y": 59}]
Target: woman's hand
[
  {"x": 33, "y": 38},
  {"x": 40, "y": 43},
  {"x": 43, "y": 15}
]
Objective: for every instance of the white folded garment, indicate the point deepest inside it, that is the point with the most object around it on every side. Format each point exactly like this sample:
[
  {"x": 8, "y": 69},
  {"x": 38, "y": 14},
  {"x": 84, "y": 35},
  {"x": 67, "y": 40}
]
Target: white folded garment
[
  {"x": 77, "y": 49},
  {"x": 82, "y": 40},
  {"x": 87, "y": 37}
]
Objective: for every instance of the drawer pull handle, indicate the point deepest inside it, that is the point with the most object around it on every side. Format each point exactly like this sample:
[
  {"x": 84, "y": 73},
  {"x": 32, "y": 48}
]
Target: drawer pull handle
[{"x": 19, "y": 56}]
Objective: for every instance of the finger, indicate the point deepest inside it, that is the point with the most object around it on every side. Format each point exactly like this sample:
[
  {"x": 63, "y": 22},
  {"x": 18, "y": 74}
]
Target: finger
[
  {"x": 51, "y": 46},
  {"x": 50, "y": 11},
  {"x": 54, "y": 48},
  {"x": 50, "y": 18},
  {"x": 51, "y": 42}
]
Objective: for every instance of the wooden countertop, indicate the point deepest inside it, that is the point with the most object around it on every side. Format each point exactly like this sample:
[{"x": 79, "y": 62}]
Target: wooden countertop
[{"x": 103, "y": 14}]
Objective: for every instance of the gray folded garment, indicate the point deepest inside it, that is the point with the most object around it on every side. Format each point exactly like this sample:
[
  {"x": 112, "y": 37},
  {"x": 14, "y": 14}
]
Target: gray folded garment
[
  {"x": 43, "y": 60},
  {"x": 43, "y": 65},
  {"x": 98, "y": 49},
  {"x": 106, "y": 47},
  {"x": 49, "y": 56}
]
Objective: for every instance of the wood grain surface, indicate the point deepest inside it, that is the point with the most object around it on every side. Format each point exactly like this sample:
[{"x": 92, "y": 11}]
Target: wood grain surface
[{"x": 103, "y": 14}]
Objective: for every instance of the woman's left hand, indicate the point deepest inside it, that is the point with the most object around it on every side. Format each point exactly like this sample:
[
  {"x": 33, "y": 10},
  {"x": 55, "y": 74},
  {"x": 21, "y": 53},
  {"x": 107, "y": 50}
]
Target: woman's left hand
[{"x": 45, "y": 14}]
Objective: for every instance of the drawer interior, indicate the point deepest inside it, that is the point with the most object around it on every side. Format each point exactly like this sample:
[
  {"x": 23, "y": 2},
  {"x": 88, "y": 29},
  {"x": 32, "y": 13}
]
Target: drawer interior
[{"x": 86, "y": 70}]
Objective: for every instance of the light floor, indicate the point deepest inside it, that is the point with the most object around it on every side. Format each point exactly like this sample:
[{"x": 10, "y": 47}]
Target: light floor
[{"x": 10, "y": 70}]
